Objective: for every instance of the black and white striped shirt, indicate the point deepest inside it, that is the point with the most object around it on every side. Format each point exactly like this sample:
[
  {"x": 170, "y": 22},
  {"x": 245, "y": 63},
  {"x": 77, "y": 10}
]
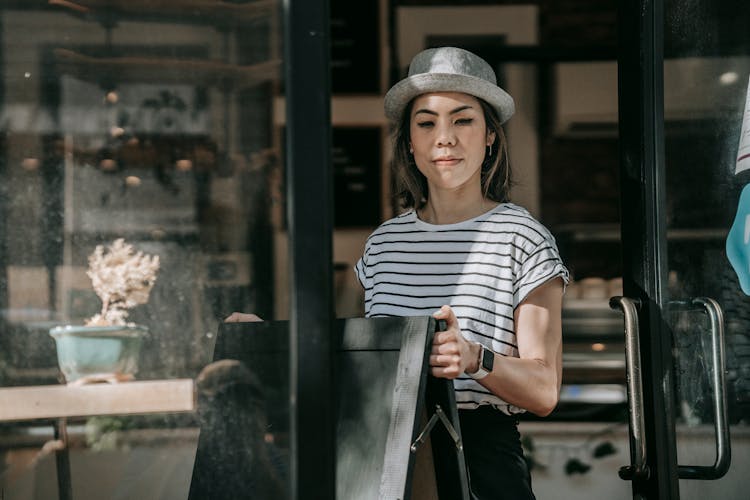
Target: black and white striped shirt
[{"x": 482, "y": 267}]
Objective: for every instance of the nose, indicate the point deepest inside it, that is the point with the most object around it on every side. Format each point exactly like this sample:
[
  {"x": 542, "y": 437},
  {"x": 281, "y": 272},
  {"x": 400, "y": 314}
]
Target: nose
[{"x": 445, "y": 136}]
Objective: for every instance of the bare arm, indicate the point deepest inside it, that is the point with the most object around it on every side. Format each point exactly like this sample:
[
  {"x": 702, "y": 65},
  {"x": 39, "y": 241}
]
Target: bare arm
[{"x": 531, "y": 381}]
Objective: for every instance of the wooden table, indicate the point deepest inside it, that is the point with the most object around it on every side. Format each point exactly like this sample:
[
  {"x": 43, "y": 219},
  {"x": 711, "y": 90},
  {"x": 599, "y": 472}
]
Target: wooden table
[
  {"x": 59, "y": 402},
  {"x": 126, "y": 398}
]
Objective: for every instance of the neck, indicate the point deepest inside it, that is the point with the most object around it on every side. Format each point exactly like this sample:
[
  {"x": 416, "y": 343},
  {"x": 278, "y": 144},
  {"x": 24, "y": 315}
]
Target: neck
[{"x": 450, "y": 208}]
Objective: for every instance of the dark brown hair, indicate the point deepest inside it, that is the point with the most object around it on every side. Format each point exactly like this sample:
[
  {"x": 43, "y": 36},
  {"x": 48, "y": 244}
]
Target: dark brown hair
[{"x": 411, "y": 185}]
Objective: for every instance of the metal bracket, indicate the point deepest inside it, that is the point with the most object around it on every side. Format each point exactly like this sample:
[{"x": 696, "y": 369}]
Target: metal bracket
[{"x": 438, "y": 415}]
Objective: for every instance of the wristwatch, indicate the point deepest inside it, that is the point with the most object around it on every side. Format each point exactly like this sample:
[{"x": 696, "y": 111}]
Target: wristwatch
[{"x": 485, "y": 362}]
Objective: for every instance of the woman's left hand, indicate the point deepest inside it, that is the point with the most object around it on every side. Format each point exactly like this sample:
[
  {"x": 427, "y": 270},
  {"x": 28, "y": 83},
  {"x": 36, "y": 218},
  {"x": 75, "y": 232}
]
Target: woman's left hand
[{"x": 451, "y": 353}]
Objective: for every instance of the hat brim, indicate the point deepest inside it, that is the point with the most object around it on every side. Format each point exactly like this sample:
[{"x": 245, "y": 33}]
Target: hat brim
[{"x": 407, "y": 89}]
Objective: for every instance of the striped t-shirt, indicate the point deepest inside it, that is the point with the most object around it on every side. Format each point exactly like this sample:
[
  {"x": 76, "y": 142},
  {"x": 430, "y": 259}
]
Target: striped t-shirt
[{"x": 482, "y": 267}]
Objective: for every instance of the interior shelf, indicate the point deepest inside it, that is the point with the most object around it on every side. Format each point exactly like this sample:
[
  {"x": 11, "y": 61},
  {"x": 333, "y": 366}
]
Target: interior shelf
[
  {"x": 165, "y": 70},
  {"x": 213, "y": 12}
]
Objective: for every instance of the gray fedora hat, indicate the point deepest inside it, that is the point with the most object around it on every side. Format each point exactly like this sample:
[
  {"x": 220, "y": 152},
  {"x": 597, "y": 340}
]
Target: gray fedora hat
[{"x": 448, "y": 69}]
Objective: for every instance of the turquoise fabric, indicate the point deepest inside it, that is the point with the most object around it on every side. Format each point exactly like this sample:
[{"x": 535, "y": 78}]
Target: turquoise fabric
[{"x": 738, "y": 241}]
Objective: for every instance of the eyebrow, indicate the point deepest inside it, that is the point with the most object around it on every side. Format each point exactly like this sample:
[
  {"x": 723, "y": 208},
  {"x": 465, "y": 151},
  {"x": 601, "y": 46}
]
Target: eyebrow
[{"x": 452, "y": 112}]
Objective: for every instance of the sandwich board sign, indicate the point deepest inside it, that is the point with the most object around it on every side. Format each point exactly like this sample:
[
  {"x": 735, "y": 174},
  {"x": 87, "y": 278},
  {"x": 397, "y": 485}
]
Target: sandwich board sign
[{"x": 397, "y": 429}]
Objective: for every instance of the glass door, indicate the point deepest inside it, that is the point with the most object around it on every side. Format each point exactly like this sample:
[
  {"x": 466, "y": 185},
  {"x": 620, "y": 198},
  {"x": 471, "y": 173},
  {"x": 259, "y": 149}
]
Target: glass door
[
  {"x": 683, "y": 82},
  {"x": 184, "y": 133},
  {"x": 706, "y": 70}
]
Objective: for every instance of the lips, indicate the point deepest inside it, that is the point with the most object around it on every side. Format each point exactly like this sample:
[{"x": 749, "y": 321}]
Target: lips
[{"x": 446, "y": 159}]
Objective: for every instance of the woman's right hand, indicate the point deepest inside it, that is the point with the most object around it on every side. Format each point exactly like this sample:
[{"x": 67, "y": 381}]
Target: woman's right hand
[
  {"x": 451, "y": 353},
  {"x": 238, "y": 317}
]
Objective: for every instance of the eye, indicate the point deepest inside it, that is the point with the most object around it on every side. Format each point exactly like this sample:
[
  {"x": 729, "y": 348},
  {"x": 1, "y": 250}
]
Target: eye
[
  {"x": 464, "y": 121},
  {"x": 425, "y": 124}
]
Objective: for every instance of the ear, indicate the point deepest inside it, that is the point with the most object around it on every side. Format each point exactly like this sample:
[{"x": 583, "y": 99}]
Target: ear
[{"x": 491, "y": 137}]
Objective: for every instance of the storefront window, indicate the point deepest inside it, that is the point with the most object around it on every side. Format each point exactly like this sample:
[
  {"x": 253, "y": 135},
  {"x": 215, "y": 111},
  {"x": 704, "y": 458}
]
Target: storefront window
[{"x": 149, "y": 122}]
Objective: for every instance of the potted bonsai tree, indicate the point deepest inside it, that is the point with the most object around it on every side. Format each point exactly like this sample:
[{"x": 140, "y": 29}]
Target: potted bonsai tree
[{"x": 106, "y": 348}]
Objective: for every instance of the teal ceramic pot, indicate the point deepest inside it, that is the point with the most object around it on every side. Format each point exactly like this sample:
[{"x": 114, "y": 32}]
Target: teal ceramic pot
[{"x": 98, "y": 351}]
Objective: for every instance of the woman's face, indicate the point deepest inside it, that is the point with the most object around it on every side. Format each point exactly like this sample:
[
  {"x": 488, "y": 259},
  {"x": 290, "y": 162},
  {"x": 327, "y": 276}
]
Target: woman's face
[{"x": 448, "y": 138}]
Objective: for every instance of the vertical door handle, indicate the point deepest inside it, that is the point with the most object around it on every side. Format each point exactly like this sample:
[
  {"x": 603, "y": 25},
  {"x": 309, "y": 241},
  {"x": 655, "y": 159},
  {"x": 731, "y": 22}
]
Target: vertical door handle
[
  {"x": 721, "y": 424},
  {"x": 638, "y": 468}
]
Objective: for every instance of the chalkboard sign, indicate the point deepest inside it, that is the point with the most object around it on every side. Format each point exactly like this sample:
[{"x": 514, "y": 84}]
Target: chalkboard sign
[
  {"x": 387, "y": 407},
  {"x": 356, "y": 158},
  {"x": 355, "y": 47}
]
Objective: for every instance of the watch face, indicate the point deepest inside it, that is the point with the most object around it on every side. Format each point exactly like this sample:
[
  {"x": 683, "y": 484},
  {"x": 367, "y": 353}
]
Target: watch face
[{"x": 488, "y": 359}]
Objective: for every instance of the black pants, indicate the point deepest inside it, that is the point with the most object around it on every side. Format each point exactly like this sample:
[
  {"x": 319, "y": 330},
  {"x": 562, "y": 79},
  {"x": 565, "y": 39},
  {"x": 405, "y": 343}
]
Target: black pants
[{"x": 494, "y": 457}]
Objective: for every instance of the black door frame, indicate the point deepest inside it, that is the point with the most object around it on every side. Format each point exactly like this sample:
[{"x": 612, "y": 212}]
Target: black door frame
[
  {"x": 641, "y": 132},
  {"x": 643, "y": 206},
  {"x": 309, "y": 192},
  {"x": 309, "y": 213}
]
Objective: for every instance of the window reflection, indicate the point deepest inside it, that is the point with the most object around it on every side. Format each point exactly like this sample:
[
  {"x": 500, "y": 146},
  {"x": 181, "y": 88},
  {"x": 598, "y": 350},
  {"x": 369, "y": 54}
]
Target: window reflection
[
  {"x": 149, "y": 121},
  {"x": 145, "y": 121}
]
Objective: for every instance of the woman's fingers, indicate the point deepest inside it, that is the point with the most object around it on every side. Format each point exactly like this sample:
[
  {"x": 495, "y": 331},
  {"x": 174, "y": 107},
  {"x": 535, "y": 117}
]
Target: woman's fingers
[
  {"x": 238, "y": 317},
  {"x": 445, "y": 356},
  {"x": 450, "y": 350},
  {"x": 450, "y": 372},
  {"x": 446, "y": 313},
  {"x": 451, "y": 330},
  {"x": 444, "y": 359}
]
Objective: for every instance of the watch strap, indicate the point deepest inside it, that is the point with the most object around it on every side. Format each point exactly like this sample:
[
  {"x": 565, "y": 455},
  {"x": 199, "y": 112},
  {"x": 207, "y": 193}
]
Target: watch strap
[{"x": 484, "y": 364}]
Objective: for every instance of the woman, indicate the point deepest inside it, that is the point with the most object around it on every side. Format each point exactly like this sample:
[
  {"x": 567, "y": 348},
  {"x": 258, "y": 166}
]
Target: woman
[{"x": 466, "y": 254}]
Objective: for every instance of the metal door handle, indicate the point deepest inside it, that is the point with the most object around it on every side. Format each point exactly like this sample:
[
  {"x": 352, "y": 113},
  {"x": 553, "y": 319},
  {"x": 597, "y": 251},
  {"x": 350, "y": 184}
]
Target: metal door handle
[
  {"x": 638, "y": 467},
  {"x": 721, "y": 423}
]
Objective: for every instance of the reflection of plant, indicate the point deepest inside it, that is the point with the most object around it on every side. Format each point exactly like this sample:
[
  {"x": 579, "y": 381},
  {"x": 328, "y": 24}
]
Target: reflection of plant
[
  {"x": 104, "y": 433},
  {"x": 122, "y": 278},
  {"x": 120, "y": 432},
  {"x": 577, "y": 454}
]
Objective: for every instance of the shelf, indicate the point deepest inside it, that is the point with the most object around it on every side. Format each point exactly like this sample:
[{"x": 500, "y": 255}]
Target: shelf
[
  {"x": 611, "y": 233},
  {"x": 584, "y": 319},
  {"x": 593, "y": 393},
  {"x": 164, "y": 70},
  {"x": 126, "y": 398},
  {"x": 588, "y": 232},
  {"x": 215, "y": 12}
]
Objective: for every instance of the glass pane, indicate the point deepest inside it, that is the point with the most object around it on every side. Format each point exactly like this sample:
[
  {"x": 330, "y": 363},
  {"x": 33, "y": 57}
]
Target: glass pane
[
  {"x": 245, "y": 435},
  {"x": 149, "y": 122},
  {"x": 705, "y": 81}
]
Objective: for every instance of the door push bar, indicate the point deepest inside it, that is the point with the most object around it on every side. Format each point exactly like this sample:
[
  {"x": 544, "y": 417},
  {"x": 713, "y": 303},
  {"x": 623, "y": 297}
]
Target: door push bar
[
  {"x": 721, "y": 423},
  {"x": 638, "y": 468}
]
